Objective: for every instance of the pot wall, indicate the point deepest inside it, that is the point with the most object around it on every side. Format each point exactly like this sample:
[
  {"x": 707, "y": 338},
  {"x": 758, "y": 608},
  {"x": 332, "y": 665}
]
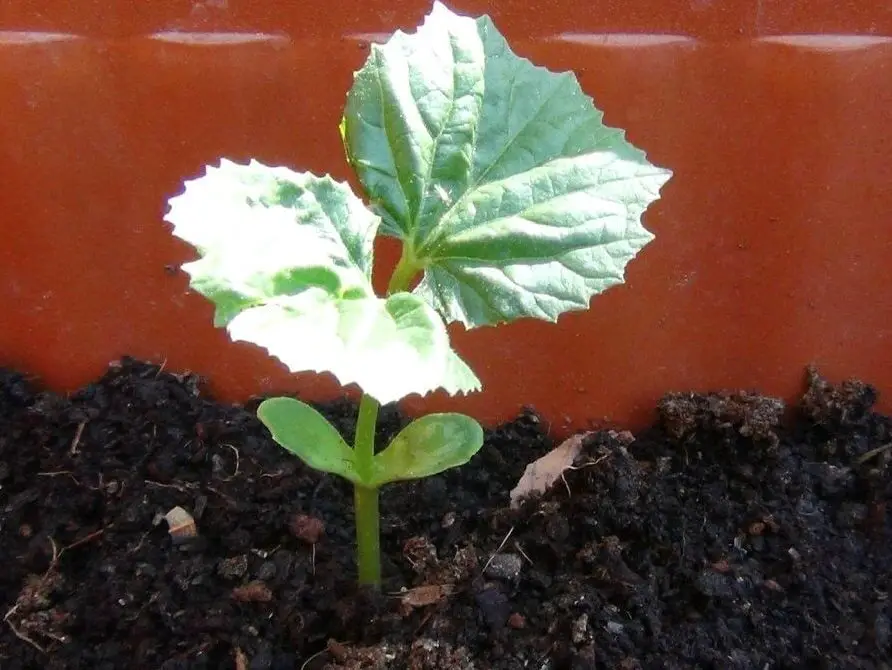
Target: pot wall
[{"x": 773, "y": 237}]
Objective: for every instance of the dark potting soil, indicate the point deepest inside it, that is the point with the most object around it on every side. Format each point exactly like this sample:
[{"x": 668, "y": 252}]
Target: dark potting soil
[{"x": 723, "y": 537}]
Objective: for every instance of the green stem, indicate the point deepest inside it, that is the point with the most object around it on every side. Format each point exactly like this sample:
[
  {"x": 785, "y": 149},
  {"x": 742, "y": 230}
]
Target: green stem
[
  {"x": 368, "y": 535},
  {"x": 365, "y": 500},
  {"x": 404, "y": 273}
]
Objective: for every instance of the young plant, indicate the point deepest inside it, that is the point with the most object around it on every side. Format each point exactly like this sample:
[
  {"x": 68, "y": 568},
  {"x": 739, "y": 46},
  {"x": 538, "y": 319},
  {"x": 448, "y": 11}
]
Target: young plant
[{"x": 510, "y": 197}]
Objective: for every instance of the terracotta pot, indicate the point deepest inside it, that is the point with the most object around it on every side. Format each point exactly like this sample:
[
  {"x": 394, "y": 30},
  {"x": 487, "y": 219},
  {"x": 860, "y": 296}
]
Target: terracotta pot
[{"x": 773, "y": 238}]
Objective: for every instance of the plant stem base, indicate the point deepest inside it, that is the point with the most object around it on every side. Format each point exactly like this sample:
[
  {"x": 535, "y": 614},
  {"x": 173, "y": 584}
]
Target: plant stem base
[{"x": 368, "y": 551}]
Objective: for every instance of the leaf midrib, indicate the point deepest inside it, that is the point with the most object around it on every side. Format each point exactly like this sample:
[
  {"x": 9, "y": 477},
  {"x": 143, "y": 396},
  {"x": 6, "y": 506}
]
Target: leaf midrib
[
  {"x": 432, "y": 237},
  {"x": 436, "y": 141}
]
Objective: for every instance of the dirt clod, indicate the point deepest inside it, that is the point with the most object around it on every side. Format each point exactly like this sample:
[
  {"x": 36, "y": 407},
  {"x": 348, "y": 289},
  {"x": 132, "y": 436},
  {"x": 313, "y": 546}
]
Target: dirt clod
[
  {"x": 255, "y": 592},
  {"x": 505, "y": 567},
  {"x": 307, "y": 528},
  {"x": 517, "y": 621},
  {"x": 731, "y": 418}
]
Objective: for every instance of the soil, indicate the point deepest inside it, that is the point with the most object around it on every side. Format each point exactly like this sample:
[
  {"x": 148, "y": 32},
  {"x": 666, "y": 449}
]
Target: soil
[{"x": 734, "y": 533}]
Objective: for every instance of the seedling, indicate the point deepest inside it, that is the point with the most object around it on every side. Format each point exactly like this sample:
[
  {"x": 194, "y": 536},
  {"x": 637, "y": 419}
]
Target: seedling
[{"x": 510, "y": 197}]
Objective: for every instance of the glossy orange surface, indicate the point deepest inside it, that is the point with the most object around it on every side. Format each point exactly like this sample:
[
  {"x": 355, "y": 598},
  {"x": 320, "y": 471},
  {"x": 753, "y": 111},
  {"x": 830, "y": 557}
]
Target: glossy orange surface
[{"x": 774, "y": 238}]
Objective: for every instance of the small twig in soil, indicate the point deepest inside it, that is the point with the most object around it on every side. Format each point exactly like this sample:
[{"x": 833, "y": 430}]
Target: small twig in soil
[
  {"x": 231, "y": 501},
  {"x": 585, "y": 465},
  {"x": 178, "y": 487},
  {"x": 60, "y": 473},
  {"x": 61, "y": 639},
  {"x": 873, "y": 453},
  {"x": 578, "y": 467},
  {"x": 161, "y": 368},
  {"x": 87, "y": 538},
  {"x": 313, "y": 657},
  {"x": 18, "y": 633},
  {"x": 522, "y": 552},
  {"x": 428, "y": 615},
  {"x": 566, "y": 485},
  {"x": 57, "y": 555},
  {"x": 140, "y": 543},
  {"x": 499, "y": 549},
  {"x": 69, "y": 473},
  {"x": 77, "y": 438}
]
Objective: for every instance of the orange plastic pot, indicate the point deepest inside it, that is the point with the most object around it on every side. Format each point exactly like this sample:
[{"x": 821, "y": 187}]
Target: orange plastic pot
[{"x": 773, "y": 238}]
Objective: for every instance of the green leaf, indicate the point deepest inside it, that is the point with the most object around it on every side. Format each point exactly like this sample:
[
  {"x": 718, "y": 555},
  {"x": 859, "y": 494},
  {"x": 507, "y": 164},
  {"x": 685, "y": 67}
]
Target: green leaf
[
  {"x": 499, "y": 176},
  {"x": 304, "y": 432},
  {"x": 265, "y": 232},
  {"x": 286, "y": 258},
  {"x": 390, "y": 348},
  {"x": 428, "y": 446}
]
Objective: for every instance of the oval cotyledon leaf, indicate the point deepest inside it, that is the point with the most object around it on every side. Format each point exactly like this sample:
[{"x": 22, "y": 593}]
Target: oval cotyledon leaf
[
  {"x": 428, "y": 446},
  {"x": 308, "y": 435}
]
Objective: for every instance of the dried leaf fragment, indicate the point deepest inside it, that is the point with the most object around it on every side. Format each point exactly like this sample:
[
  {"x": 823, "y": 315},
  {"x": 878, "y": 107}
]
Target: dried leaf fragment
[
  {"x": 543, "y": 472},
  {"x": 422, "y": 596}
]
